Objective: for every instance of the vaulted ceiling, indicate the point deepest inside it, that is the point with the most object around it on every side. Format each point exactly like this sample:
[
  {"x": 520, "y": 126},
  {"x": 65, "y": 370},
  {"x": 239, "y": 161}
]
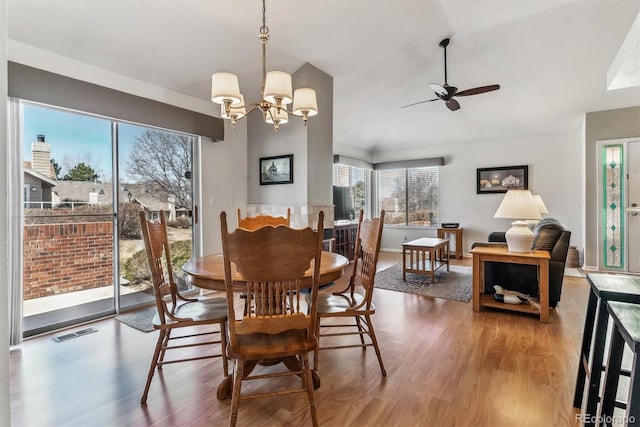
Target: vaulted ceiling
[{"x": 551, "y": 57}]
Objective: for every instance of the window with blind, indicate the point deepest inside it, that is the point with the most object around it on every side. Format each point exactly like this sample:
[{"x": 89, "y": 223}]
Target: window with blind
[
  {"x": 354, "y": 178},
  {"x": 409, "y": 196}
]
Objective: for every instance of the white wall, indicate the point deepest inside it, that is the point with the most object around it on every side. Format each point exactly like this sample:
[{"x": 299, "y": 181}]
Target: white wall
[
  {"x": 264, "y": 142},
  {"x": 311, "y": 146},
  {"x": 555, "y": 166},
  {"x": 5, "y": 413},
  {"x": 224, "y": 183}
]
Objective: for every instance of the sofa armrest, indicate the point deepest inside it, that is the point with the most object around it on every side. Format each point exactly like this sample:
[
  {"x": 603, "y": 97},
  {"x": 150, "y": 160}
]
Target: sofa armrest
[{"x": 497, "y": 236}]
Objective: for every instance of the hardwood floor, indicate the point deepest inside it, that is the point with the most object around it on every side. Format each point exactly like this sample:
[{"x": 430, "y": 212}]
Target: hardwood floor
[{"x": 446, "y": 366}]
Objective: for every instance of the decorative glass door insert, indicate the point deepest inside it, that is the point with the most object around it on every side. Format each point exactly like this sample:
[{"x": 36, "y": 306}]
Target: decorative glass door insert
[{"x": 613, "y": 206}]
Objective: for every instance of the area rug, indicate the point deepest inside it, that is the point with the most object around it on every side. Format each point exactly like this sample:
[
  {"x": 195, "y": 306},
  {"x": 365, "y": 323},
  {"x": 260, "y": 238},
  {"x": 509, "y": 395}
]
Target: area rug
[
  {"x": 141, "y": 320},
  {"x": 455, "y": 284}
]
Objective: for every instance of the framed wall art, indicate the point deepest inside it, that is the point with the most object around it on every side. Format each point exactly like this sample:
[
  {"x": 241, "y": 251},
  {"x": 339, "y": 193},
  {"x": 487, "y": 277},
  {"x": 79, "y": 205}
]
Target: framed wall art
[
  {"x": 276, "y": 170},
  {"x": 501, "y": 179}
]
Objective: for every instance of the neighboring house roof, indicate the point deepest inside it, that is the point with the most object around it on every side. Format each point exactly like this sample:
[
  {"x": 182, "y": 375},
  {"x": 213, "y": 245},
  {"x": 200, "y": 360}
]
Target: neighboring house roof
[
  {"x": 151, "y": 203},
  {"x": 79, "y": 191},
  {"x": 52, "y": 170},
  {"x": 45, "y": 179}
]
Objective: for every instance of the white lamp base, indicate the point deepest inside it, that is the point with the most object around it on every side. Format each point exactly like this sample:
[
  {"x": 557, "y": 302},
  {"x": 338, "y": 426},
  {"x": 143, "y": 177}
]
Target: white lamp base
[{"x": 519, "y": 237}]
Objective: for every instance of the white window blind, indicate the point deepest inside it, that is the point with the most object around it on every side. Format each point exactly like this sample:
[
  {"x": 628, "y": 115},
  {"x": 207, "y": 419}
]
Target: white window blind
[
  {"x": 341, "y": 175},
  {"x": 409, "y": 196},
  {"x": 356, "y": 179}
]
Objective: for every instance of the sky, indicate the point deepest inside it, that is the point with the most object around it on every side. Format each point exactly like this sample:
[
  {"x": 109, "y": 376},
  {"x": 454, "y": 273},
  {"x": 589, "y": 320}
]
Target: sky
[{"x": 78, "y": 138}]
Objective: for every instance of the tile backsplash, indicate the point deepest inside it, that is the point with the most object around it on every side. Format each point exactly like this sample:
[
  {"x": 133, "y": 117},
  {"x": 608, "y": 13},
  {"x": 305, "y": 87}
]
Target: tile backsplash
[{"x": 301, "y": 215}]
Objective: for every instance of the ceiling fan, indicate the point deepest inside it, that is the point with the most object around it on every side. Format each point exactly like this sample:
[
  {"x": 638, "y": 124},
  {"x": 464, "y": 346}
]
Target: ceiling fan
[{"x": 446, "y": 92}]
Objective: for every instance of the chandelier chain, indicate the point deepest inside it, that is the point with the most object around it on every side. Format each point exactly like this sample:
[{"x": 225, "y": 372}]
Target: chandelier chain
[{"x": 264, "y": 30}]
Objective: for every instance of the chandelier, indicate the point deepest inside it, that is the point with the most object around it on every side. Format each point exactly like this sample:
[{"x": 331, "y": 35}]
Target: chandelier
[{"x": 275, "y": 90}]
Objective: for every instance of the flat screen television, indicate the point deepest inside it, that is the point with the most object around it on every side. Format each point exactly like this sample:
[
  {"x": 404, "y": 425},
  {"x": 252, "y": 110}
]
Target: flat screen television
[{"x": 342, "y": 201}]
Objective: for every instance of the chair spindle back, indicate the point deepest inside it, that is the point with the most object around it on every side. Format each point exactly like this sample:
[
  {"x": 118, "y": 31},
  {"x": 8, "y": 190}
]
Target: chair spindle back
[{"x": 274, "y": 262}]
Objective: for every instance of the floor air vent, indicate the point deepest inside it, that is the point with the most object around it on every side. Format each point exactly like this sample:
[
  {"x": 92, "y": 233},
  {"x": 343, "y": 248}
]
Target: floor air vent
[{"x": 75, "y": 334}]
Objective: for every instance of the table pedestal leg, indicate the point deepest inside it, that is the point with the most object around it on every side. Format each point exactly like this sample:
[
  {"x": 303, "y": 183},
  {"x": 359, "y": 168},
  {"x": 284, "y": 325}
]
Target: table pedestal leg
[{"x": 293, "y": 364}]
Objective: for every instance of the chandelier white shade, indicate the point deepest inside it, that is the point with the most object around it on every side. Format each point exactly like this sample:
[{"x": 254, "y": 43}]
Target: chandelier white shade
[
  {"x": 277, "y": 88},
  {"x": 274, "y": 115},
  {"x": 277, "y": 92},
  {"x": 304, "y": 102},
  {"x": 236, "y": 111},
  {"x": 518, "y": 204},
  {"x": 225, "y": 87}
]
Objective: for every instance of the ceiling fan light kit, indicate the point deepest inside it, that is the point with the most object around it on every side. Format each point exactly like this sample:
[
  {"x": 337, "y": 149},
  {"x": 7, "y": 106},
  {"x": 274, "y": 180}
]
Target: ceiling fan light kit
[
  {"x": 446, "y": 93},
  {"x": 276, "y": 92}
]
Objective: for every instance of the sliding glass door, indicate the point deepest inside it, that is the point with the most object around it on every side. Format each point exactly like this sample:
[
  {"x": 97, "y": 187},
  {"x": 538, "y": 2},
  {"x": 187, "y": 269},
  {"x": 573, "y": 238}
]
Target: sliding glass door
[
  {"x": 154, "y": 175},
  {"x": 85, "y": 179},
  {"x": 68, "y": 273}
]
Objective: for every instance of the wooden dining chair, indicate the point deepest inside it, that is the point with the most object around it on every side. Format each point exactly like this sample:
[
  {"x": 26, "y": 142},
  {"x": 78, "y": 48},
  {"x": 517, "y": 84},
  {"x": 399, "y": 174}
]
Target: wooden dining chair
[
  {"x": 255, "y": 222},
  {"x": 355, "y": 300},
  {"x": 175, "y": 311},
  {"x": 273, "y": 261}
]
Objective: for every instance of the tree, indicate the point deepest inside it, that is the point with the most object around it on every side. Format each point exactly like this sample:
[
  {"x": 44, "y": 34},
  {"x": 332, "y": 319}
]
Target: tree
[
  {"x": 359, "y": 196},
  {"x": 422, "y": 195},
  {"x": 81, "y": 172},
  {"x": 81, "y": 167},
  {"x": 160, "y": 160},
  {"x": 56, "y": 168}
]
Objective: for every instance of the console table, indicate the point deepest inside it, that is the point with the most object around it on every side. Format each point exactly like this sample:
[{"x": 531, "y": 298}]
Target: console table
[
  {"x": 457, "y": 238},
  {"x": 482, "y": 254}
]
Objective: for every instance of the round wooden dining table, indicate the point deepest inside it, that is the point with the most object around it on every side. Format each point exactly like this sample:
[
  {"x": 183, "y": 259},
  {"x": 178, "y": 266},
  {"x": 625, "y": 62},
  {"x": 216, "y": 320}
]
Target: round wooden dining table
[{"x": 207, "y": 272}]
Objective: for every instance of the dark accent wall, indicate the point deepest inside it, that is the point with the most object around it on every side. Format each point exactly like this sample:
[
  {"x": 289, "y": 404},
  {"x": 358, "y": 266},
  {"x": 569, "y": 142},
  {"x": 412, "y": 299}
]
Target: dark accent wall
[{"x": 33, "y": 84}]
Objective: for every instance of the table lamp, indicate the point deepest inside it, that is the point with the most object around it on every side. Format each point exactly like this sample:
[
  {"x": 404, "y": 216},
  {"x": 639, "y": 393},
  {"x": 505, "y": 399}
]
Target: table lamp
[
  {"x": 540, "y": 204},
  {"x": 520, "y": 205},
  {"x": 542, "y": 208}
]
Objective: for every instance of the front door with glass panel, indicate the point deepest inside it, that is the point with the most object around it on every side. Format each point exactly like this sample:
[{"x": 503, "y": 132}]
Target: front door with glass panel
[{"x": 619, "y": 204}]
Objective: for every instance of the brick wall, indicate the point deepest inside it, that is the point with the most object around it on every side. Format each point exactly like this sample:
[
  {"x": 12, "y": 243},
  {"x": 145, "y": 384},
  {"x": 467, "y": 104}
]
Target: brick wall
[{"x": 62, "y": 258}]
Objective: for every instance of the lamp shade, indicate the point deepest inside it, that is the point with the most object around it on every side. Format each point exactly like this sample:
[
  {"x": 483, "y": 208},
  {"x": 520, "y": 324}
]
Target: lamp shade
[
  {"x": 540, "y": 204},
  {"x": 224, "y": 86},
  {"x": 277, "y": 84},
  {"x": 518, "y": 204},
  {"x": 282, "y": 117},
  {"x": 304, "y": 100},
  {"x": 237, "y": 110}
]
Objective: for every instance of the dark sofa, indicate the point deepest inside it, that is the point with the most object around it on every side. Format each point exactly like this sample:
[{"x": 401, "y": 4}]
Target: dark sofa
[{"x": 549, "y": 235}]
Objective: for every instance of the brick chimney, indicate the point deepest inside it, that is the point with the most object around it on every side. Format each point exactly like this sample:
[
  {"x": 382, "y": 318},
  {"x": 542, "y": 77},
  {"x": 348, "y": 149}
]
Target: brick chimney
[{"x": 41, "y": 156}]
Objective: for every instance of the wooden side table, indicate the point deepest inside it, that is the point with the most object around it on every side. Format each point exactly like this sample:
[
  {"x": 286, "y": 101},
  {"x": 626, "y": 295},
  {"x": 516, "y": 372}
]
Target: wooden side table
[
  {"x": 424, "y": 256},
  {"x": 482, "y": 254},
  {"x": 457, "y": 236}
]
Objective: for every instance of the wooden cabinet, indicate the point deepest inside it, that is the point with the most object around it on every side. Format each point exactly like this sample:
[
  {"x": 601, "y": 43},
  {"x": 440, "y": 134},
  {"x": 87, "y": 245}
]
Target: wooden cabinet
[{"x": 344, "y": 233}]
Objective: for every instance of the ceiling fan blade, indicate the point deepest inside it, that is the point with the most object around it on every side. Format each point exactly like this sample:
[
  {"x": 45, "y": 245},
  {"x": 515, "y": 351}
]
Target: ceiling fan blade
[
  {"x": 438, "y": 89},
  {"x": 453, "y": 105},
  {"x": 478, "y": 90},
  {"x": 421, "y": 102}
]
